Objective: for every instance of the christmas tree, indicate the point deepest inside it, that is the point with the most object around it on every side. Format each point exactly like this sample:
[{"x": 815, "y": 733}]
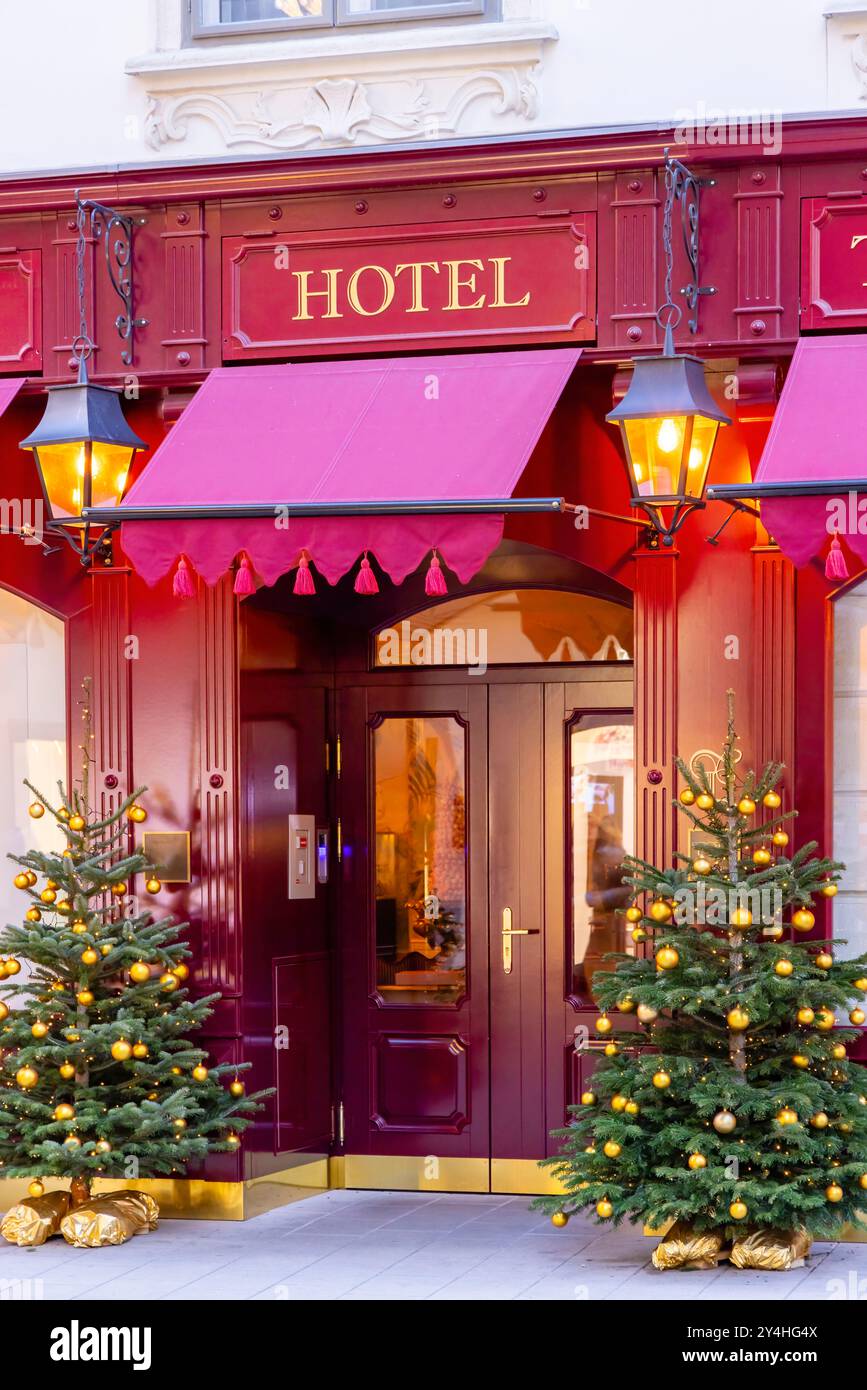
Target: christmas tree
[
  {"x": 98, "y": 1076},
  {"x": 737, "y": 1108}
]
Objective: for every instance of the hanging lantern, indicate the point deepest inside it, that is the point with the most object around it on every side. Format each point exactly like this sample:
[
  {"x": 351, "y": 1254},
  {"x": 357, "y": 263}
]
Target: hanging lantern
[{"x": 668, "y": 418}]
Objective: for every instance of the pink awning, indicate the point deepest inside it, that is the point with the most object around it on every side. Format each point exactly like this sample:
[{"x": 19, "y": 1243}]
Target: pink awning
[
  {"x": 401, "y": 429},
  {"x": 814, "y": 462},
  {"x": 9, "y": 388}
]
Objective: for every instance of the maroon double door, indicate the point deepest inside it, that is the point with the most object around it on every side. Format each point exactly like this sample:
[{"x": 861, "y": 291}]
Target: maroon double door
[{"x": 481, "y": 821}]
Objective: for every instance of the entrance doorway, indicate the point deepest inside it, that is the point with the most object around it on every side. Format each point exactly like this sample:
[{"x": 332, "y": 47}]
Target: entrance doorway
[{"x": 482, "y": 821}]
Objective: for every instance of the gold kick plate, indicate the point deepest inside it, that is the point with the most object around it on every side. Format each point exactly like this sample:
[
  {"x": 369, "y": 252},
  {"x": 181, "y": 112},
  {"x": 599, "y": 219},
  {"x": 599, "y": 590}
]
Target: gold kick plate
[{"x": 508, "y": 931}]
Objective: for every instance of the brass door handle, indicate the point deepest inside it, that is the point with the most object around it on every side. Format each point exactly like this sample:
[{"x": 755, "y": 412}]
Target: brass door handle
[{"x": 508, "y": 931}]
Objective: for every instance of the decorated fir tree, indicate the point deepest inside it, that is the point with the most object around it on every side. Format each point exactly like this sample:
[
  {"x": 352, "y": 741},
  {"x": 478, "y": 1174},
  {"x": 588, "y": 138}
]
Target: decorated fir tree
[
  {"x": 737, "y": 1108},
  {"x": 99, "y": 1078}
]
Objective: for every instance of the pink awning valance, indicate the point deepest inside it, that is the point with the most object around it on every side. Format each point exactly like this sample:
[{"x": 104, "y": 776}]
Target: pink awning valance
[
  {"x": 417, "y": 429},
  {"x": 814, "y": 463}
]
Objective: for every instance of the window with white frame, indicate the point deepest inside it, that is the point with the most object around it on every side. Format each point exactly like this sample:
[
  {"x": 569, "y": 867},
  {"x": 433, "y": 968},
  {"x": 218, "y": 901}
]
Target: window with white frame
[{"x": 227, "y": 18}]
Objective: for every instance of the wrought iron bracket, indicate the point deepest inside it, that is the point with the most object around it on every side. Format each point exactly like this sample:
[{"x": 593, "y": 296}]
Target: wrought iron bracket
[
  {"x": 115, "y": 230},
  {"x": 684, "y": 187},
  {"x": 90, "y": 544}
]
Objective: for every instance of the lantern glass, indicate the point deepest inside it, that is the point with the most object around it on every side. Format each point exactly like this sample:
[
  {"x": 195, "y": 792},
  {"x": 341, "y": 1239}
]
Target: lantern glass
[
  {"x": 654, "y": 449},
  {"x": 78, "y": 474}
]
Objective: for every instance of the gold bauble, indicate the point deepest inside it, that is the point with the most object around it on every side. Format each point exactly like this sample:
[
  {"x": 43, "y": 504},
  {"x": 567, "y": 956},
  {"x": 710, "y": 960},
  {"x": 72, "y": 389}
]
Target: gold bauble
[
  {"x": 626, "y": 1005},
  {"x": 660, "y": 911},
  {"x": 169, "y": 981},
  {"x": 633, "y": 914},
  {"x": 233, "y": 1140},
  {"x": 704, "y": 801},
  {"x": 824, "y": 960},
  {"x": 139, "y": 972},
  {"x": 31, "y": 878},
  {"x": 838, "y": 1052},
  {"x": 803, "y": 919},
  {"x": 63, "y": 814},
  {"x": 638, "y": 935},
  {"x": 861, "y": 983},
  {"x": 84, "y": 997},
  {"x": 687, "y": 797},
  {"x": 784, "y": 967},
  {"x": 58, "y": 986},
  {"x": 646, "y": 1013},
  {"x": 70, "y": 1142},
  {"x": 64, "y": 1112},
  {"x": 834, "y": 1192},
  {"x": 828, "y": 890},
  {"x": 179, "y": 1123},
  {"x": 780, "y": 839},
  {"x": 806, "y": 1015},
  {"x": 4, "y": 1011},
  {"x": 12, "y": 966},
  {"x": 48, "y": 895},
  {"x": 603, "y": 1024},
  {"x": 761, "y": 857},
  {"x": 26, "y": 1077},
  {"x": 632, "y": 1107},
  {"x": 72, "y": 1036},
  {"x": 661, "y": 1080},
  {"x": 153, "y": 885},
  {"x": 799, "y": 1060},
  {"x": 236, "y": 1088},
  {"x": 36, "y": 1188},
  {"x": 697, "y": 1161},
  {"x": 21, "y": 881},
  {"x": 825, "y": 1020},
  {"x": 774, "y": 931},
  {"x": 181, "y": 972},
  {"x": 67, "y": 1070},
  {"x": 738, "y": 1210},
  {"x": 39, "y": 1029},
  {"x": 772, "y": 800},
  {"x": 741, "y": 917},
  {"x": 121, "y": 1050},
  {"x": 64, "y": 907},
  {"x": 102, "y": 1146},
  {"x": 618, "y": 1102},
  {"x": 862, "y": 1181},
  {"x": 90, "y": 956},
  {"x": 36, "y": 810},
  {"x": 787, "y": 1116},
  {"x": 587, "y": 1097},
  {"x": 559, "y": 1219},
  {"x": 199, "y": 1073},
  {"x": 77, "y": 823},
  {"x": 79, "y": 928},
  {"x": 176, "y": 1071},
  {"x": 819, "y": 1120},
  {"x": 611, "y": 1149},
  {"x": 604, "y": 1209},
  {"x": 701, "y": 865},
  {"x": 667, "y": 958},
  {"x": 857, "y": 1016},
  {"x": 105, "y": 950},
  {"x": 119, "y": 890},
  {"x": 738, "y": 1020},
  {"x": 724, "y": 1122},
  {"x": 136, "y": 813},
  {"x": 746, "y": 806},
  {"x": 611, "y": 1049}
]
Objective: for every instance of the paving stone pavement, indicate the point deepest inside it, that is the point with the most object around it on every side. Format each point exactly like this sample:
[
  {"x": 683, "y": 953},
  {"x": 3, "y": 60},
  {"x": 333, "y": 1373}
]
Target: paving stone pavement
[{"x": 382, "y": 1245}]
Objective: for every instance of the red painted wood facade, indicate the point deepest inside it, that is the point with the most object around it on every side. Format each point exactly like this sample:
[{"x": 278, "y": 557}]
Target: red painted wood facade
[{"x": 214, "y": 689}]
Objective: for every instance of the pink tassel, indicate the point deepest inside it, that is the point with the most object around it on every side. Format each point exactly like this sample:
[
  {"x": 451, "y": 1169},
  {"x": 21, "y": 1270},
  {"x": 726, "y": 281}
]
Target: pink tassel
[
  {"x": 835, "y": 564},
  {"x": 435, "y": 580},
  {"x": 303, "y": 578},
  {"x": 182, "y": 584},
  {"x": 365, "y": 580},
  {"x": 244, "y": 582}
]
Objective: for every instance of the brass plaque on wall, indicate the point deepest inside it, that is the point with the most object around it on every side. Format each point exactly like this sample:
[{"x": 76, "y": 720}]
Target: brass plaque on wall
[{"x": 169, "y": 852}]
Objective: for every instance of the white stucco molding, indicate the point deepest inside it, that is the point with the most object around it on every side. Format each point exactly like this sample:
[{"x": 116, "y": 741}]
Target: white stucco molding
[
  {"x": 405, "y": 83},
  {"x": 846, "y": 38}
]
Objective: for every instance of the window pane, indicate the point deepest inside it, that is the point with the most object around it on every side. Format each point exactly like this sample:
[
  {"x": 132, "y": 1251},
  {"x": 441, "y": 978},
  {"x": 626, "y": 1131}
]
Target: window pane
[
  {"x": 420, "y": 859},
  {"x": 602, "y": 820},
  {"x": 362, "y": 7},
  {"x": 216, "y": 12},
  {"x": 850, "y": 767},
  {"x": 510, "y": 627}
]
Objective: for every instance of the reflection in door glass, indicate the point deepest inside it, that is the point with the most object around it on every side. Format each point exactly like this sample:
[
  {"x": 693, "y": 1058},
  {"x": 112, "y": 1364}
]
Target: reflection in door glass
[
  {"x": 420, "y": 781},
  {"x": 602, "y": 814}
]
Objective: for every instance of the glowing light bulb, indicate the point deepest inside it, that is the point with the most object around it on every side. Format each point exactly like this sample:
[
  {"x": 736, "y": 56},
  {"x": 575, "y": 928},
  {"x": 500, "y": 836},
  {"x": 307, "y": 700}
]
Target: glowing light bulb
[
  {"x": 120, "y": 482},
  {"x": 696, "y": 457},
  {"x": 667, "y": 437},
  {"x": 79, "y": 464}
]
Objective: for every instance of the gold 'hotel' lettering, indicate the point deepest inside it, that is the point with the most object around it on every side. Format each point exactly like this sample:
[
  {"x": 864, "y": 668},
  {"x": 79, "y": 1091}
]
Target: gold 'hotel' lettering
[{"x": 459, "y": 285}]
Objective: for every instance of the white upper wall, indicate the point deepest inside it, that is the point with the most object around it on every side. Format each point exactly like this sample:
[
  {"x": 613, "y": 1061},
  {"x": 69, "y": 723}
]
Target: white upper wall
[{"x": 102, "y": 83}]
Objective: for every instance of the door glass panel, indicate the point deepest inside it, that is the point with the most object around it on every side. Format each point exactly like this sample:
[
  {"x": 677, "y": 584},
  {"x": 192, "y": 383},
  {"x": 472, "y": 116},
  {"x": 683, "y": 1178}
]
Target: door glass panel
[
  {"x": 602, "y": 831},
  {"x": 510, "y": 627},
  {"x": 420, "y": 859}
]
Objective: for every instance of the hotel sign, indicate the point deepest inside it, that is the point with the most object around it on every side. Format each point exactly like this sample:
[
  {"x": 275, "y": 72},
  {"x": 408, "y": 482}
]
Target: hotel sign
[
  {"x": 482, "y": 284},
  {"x": 834, "y": 263}
]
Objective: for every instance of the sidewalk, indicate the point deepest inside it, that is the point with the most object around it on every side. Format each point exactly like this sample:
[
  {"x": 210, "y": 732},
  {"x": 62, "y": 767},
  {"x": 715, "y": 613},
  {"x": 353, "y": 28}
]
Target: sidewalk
[{"x": 385, "y": 1245}]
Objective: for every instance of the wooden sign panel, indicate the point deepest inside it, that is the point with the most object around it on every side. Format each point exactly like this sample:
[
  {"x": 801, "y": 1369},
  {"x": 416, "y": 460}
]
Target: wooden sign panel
[
  {"x": 834, "y": 263},
  {"x": 410, "y": 287},
  {"x": 20, "y": 312}
]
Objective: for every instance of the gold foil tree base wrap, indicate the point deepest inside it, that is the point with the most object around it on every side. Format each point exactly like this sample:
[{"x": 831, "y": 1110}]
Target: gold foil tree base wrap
[
  {"x": 771, "y": 1250},
  {"x": 110, "y": 1219},
  {"x": 32, "y": 1220},
  {"x": 683, "y": 1248}
]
